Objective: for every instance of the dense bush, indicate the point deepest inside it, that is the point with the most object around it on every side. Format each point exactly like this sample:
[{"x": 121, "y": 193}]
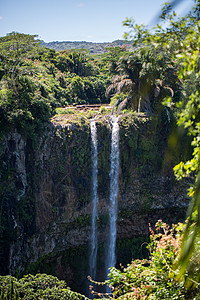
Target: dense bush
[
  {"x": 35, "y": 80},
  {"x": 40, "y": 286},
  {"x": 155, "y": 278}
]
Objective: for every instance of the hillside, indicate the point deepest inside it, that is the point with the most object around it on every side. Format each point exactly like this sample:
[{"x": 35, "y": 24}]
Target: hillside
[{"x": 95, "y": 48}]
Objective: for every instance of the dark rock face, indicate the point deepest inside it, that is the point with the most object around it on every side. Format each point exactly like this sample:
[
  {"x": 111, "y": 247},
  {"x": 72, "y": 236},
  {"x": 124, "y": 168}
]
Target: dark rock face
[{"x": 45, "y": 192}]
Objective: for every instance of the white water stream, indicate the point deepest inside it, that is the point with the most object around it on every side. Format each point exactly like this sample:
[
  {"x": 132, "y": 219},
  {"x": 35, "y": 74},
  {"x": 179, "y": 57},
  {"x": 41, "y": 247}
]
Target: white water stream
[
  {"x": 113, "y": 203},
  {"x": 94, "y": 240},
  {"x": 110, "y": 259}
]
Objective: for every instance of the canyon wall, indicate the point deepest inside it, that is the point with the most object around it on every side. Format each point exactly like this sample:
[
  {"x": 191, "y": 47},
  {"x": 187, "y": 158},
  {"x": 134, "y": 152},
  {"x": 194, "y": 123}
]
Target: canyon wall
[{"x": 46, "y": 194}]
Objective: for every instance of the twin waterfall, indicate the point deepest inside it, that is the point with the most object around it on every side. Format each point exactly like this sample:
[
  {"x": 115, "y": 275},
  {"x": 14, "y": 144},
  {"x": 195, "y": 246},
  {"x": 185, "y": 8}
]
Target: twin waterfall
[{"x": 110, "y": 259}]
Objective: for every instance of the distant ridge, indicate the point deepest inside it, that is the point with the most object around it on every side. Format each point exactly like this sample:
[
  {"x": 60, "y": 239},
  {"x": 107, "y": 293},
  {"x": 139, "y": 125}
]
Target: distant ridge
[{"x": 94, "y": 48}]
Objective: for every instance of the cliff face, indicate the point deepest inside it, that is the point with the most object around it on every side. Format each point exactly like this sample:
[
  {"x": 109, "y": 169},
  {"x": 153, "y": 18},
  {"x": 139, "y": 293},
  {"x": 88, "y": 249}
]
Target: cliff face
[{"x": 46, "y": 193}]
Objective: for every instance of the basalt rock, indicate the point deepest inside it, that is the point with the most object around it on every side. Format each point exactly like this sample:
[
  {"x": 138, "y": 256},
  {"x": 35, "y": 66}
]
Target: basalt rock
[{"x": 46, "y": 192}]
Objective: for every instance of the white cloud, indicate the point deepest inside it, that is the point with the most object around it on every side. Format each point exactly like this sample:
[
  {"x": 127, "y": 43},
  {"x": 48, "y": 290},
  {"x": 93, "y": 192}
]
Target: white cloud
[
  {"x": 1, "y": 18},
  {"x": 81, "y": 4}
]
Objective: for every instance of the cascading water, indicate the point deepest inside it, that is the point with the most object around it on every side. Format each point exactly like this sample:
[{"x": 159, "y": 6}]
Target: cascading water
[
  {"x": 94, "y": 241},
  {"x": 114, "y": 175},
  {"x": 112, "y": 211}
]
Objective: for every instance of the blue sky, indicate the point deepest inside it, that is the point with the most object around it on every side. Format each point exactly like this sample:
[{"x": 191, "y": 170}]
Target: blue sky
[{"x": 77, "y": 20}]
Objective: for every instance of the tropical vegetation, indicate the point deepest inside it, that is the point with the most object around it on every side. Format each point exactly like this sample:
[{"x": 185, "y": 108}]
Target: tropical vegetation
[
  {"x": 155, "y": 278},
  {"x": 160, "y": 77},
  {"x": 40, "y": 286},
  {"x": 35, "y": 80}
]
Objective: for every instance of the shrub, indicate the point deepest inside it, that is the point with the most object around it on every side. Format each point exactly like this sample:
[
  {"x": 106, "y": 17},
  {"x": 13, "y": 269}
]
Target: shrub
[
  {"x": 40, "y": 286},
  {"x": 155, "y": 278}
]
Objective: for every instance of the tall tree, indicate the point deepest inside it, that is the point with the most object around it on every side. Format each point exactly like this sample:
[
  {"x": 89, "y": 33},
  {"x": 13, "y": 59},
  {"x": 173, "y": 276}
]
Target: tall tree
[
  {"x": 180, "y": 39},
  {"x": 144, "y": 74},
  {"x": 14, "y": 49}
]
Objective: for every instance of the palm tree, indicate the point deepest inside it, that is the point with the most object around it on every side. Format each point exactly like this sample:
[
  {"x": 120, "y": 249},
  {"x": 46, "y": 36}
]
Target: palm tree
[{"x": 144, "y": 77}]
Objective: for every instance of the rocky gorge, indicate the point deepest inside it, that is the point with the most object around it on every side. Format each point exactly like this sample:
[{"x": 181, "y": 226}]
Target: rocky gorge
[{"x": 46, "y": 193}]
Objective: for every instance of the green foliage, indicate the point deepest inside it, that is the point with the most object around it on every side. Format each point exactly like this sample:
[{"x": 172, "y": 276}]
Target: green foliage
[
  {"x": 179, "y": 42},
  {"x": 36, "y": 80},
  {"x": 60, "y": 111},
  {"x": 164, "y": 69},
  {"x": 73, "y": 263},
  {"x": 11, "y": 291},
  {"x": 188, "y": 109},
  {"x": 14, "y": 49},
  {"x": 117, "y": 99},
  {"x": 111, "y": 59},
  {"x": 40, "y": 286},
  {"x": 145, "y": 76},
  {"x": 154, "y": 278}
]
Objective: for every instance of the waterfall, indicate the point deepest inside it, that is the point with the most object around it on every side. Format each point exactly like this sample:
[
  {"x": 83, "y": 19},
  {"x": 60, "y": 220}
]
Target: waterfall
[
  {"x": 94, "y": 241},
  {"x": 113, "y": 197},
  {"x": 114, "y": 175}
]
